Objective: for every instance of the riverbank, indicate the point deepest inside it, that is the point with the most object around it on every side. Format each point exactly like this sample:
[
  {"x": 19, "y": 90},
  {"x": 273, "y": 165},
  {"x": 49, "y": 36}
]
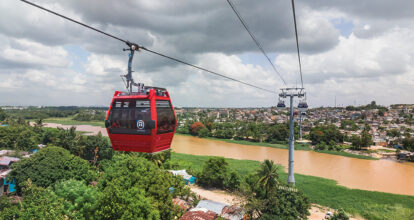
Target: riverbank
[
  {"x": 69, "y": 121},
  {"x": 378, "y": 175},
  {"x": 325, "y": 192},
  {"x": 298, "y": 146}
]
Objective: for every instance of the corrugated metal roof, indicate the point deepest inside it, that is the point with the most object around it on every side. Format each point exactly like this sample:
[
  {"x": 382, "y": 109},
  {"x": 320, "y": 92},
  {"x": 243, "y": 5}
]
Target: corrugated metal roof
[
  {"x": 199, "y": 214},
  {"x": 5, "y": 160},
  {"x": 4, "y": 173},
  {"x": 211, "y": 205}
]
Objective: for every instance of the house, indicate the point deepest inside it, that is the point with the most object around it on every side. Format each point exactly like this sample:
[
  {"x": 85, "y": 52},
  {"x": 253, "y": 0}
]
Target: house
[
  {"x": 232, "y": 213},
  {"x": 181, "y": 203},
  {"x": 5, "y": 185},
  {"x": 208, "y": 209},
  {"x": 5, "y": 152},
  {"x": 216, "y": 207},
  {"x": 6, "y": 161},
  {"x": 188, "y": 179},
  {"x": 199, "y": 214}
]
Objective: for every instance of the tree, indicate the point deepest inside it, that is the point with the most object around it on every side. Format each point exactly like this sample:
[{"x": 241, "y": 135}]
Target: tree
[
  {"x": 38, "y": 203},
  {"x": 356, "y": 142},
  {"x": 348, "y": 125},
  {"x": 196, "y": 127},
  {"x": 366, "y": 139},
  {"x": 3, "y": 115},
  {"x": 280, "y": 202},
  {"x": 340, "y": 215},
  {"x": 393, "y": 133},
  {"x": 26, "y": 141},
  {"x": 204, "y": 132},
  {"x": 48, "y": 166},
  {"x": 68, "y": 139},
  {"x": 268, "y": 176},
  {"x": 277, "y": 133},
  {"x": 39, "y": 123},
  {"x": 214, "y": 172},
  {"x": 94, "y": 143},
  {"x": 130, "y": 179},
  {"x": 408, "y": 143},
  {"x": 117, "y": 202},
  {"x": 8, "y": 210},
  {"x": 80, "y": 200},
  {"x": 159, "y": 158},
  {"x": 326, "y": 134}
]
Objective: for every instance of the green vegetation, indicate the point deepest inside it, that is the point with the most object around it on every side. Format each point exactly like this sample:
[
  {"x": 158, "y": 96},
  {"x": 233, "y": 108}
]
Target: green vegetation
[
  {"x": 130, "y": 187},
  {"x": 239, "y": 130},
  {"x": 268, "y": 198},
  {"x": 42, "y": 113},
  {"x": 358, "y": 142},
  {"x": 48, "y": 166},
  {"x": 79, "y": 199},
  {"x": 133, "y": 188},
  {"x": 71, "y": 121},
  {"x": 408, "y": 143},
  {"x": 346, "y": 154},
  {"x": 215, "y": 173},
  {"x": 90, "y": 115},
  {"x": 327, "y": 134},
  {"x": 369, "y": 204}
]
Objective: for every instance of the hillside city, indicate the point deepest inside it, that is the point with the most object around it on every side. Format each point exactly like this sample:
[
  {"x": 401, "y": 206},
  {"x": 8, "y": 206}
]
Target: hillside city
[{"x": 389, "y": 127}]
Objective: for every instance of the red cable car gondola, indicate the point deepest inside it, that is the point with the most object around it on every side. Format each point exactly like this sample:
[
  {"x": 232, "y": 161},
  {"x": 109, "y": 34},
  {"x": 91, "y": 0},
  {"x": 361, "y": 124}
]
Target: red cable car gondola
[{"x": 142, "y": 121}]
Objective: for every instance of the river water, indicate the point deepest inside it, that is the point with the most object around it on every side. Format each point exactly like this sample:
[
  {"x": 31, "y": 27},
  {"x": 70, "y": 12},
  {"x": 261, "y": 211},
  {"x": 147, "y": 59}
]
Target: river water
[{"x": 376, "y": 175}]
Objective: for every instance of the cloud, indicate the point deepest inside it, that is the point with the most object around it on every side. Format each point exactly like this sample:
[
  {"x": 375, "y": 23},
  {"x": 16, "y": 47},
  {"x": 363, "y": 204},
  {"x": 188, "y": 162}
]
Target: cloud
[{"x": 373, "y": 60}]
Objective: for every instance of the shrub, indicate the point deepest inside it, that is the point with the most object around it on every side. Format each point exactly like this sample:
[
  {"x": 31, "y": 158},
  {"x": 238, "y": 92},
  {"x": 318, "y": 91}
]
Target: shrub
[
  {"x": 48, "y": 166},
  {"x": 196, "y": 127}
]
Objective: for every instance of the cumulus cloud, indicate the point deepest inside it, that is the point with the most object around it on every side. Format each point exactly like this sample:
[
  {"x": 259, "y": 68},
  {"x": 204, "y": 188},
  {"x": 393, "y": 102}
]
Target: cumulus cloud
[{"x": 373, "y": 61}]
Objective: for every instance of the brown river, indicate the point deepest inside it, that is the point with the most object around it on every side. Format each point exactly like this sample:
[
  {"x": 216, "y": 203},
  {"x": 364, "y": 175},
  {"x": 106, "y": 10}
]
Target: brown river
[{"x": 375, "y": 175}]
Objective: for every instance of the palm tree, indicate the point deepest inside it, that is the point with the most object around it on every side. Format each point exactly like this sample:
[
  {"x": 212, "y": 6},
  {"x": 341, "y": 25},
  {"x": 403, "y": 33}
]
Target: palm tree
[
  {"x": 268, "y": 176},
  {"x": 39, "y": 123}
]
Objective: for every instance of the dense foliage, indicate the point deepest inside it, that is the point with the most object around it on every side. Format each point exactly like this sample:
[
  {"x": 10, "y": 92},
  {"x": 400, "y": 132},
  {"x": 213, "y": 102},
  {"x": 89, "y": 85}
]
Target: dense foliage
[
  {"x": 44, "y": 112},
  {"x": 327, "y": 134},
  {"x": 38, "y": 203},
  {"x": 408, "y": 143},
  {"x": 250, "y": 131},
  {"x": 365, "y": 140},
  {"x": 135, "y": 188},
  {"x": 90, "y": 115},
  {"x": 79, "y": 199},
  {"x": 20, "y": 137},
  {"x": 48, "y": 166},
  {"x": 266, "y": 197},
  {"x": 216, "y": 173}
]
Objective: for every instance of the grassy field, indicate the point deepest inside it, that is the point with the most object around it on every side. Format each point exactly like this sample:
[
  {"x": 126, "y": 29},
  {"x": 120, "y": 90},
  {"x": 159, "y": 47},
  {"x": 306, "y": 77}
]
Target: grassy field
[
  {"x": 346, "y": 154},
  {"x": 70, "y": 121},
  {"x": 298, "y": 146},
  {"x": 368, "y": 204}
]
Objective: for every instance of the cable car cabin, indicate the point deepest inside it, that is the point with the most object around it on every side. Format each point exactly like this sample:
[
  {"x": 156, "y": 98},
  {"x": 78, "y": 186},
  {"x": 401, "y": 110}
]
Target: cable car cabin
[
  {"x": 281, "y": 105},
  {"x": 303, "y": 106},
  {"x": 141, "y": 122}
]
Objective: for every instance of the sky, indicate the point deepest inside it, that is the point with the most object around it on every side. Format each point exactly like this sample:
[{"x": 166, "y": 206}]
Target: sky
[{"x": 356, "y": 51}]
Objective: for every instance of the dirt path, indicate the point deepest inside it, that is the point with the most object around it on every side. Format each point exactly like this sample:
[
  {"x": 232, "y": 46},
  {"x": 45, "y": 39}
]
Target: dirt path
[
  {"x": 317, "y": 212},
  {"x": 215, "y": 195}
]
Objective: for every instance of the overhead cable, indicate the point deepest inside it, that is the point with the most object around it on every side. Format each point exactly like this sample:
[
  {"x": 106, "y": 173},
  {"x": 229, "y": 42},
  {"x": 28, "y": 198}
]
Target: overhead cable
[
  {"x": 149, "y": 50},
  {"x": 297, "y": 41},
  {"x": 255, "y": 39}
]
